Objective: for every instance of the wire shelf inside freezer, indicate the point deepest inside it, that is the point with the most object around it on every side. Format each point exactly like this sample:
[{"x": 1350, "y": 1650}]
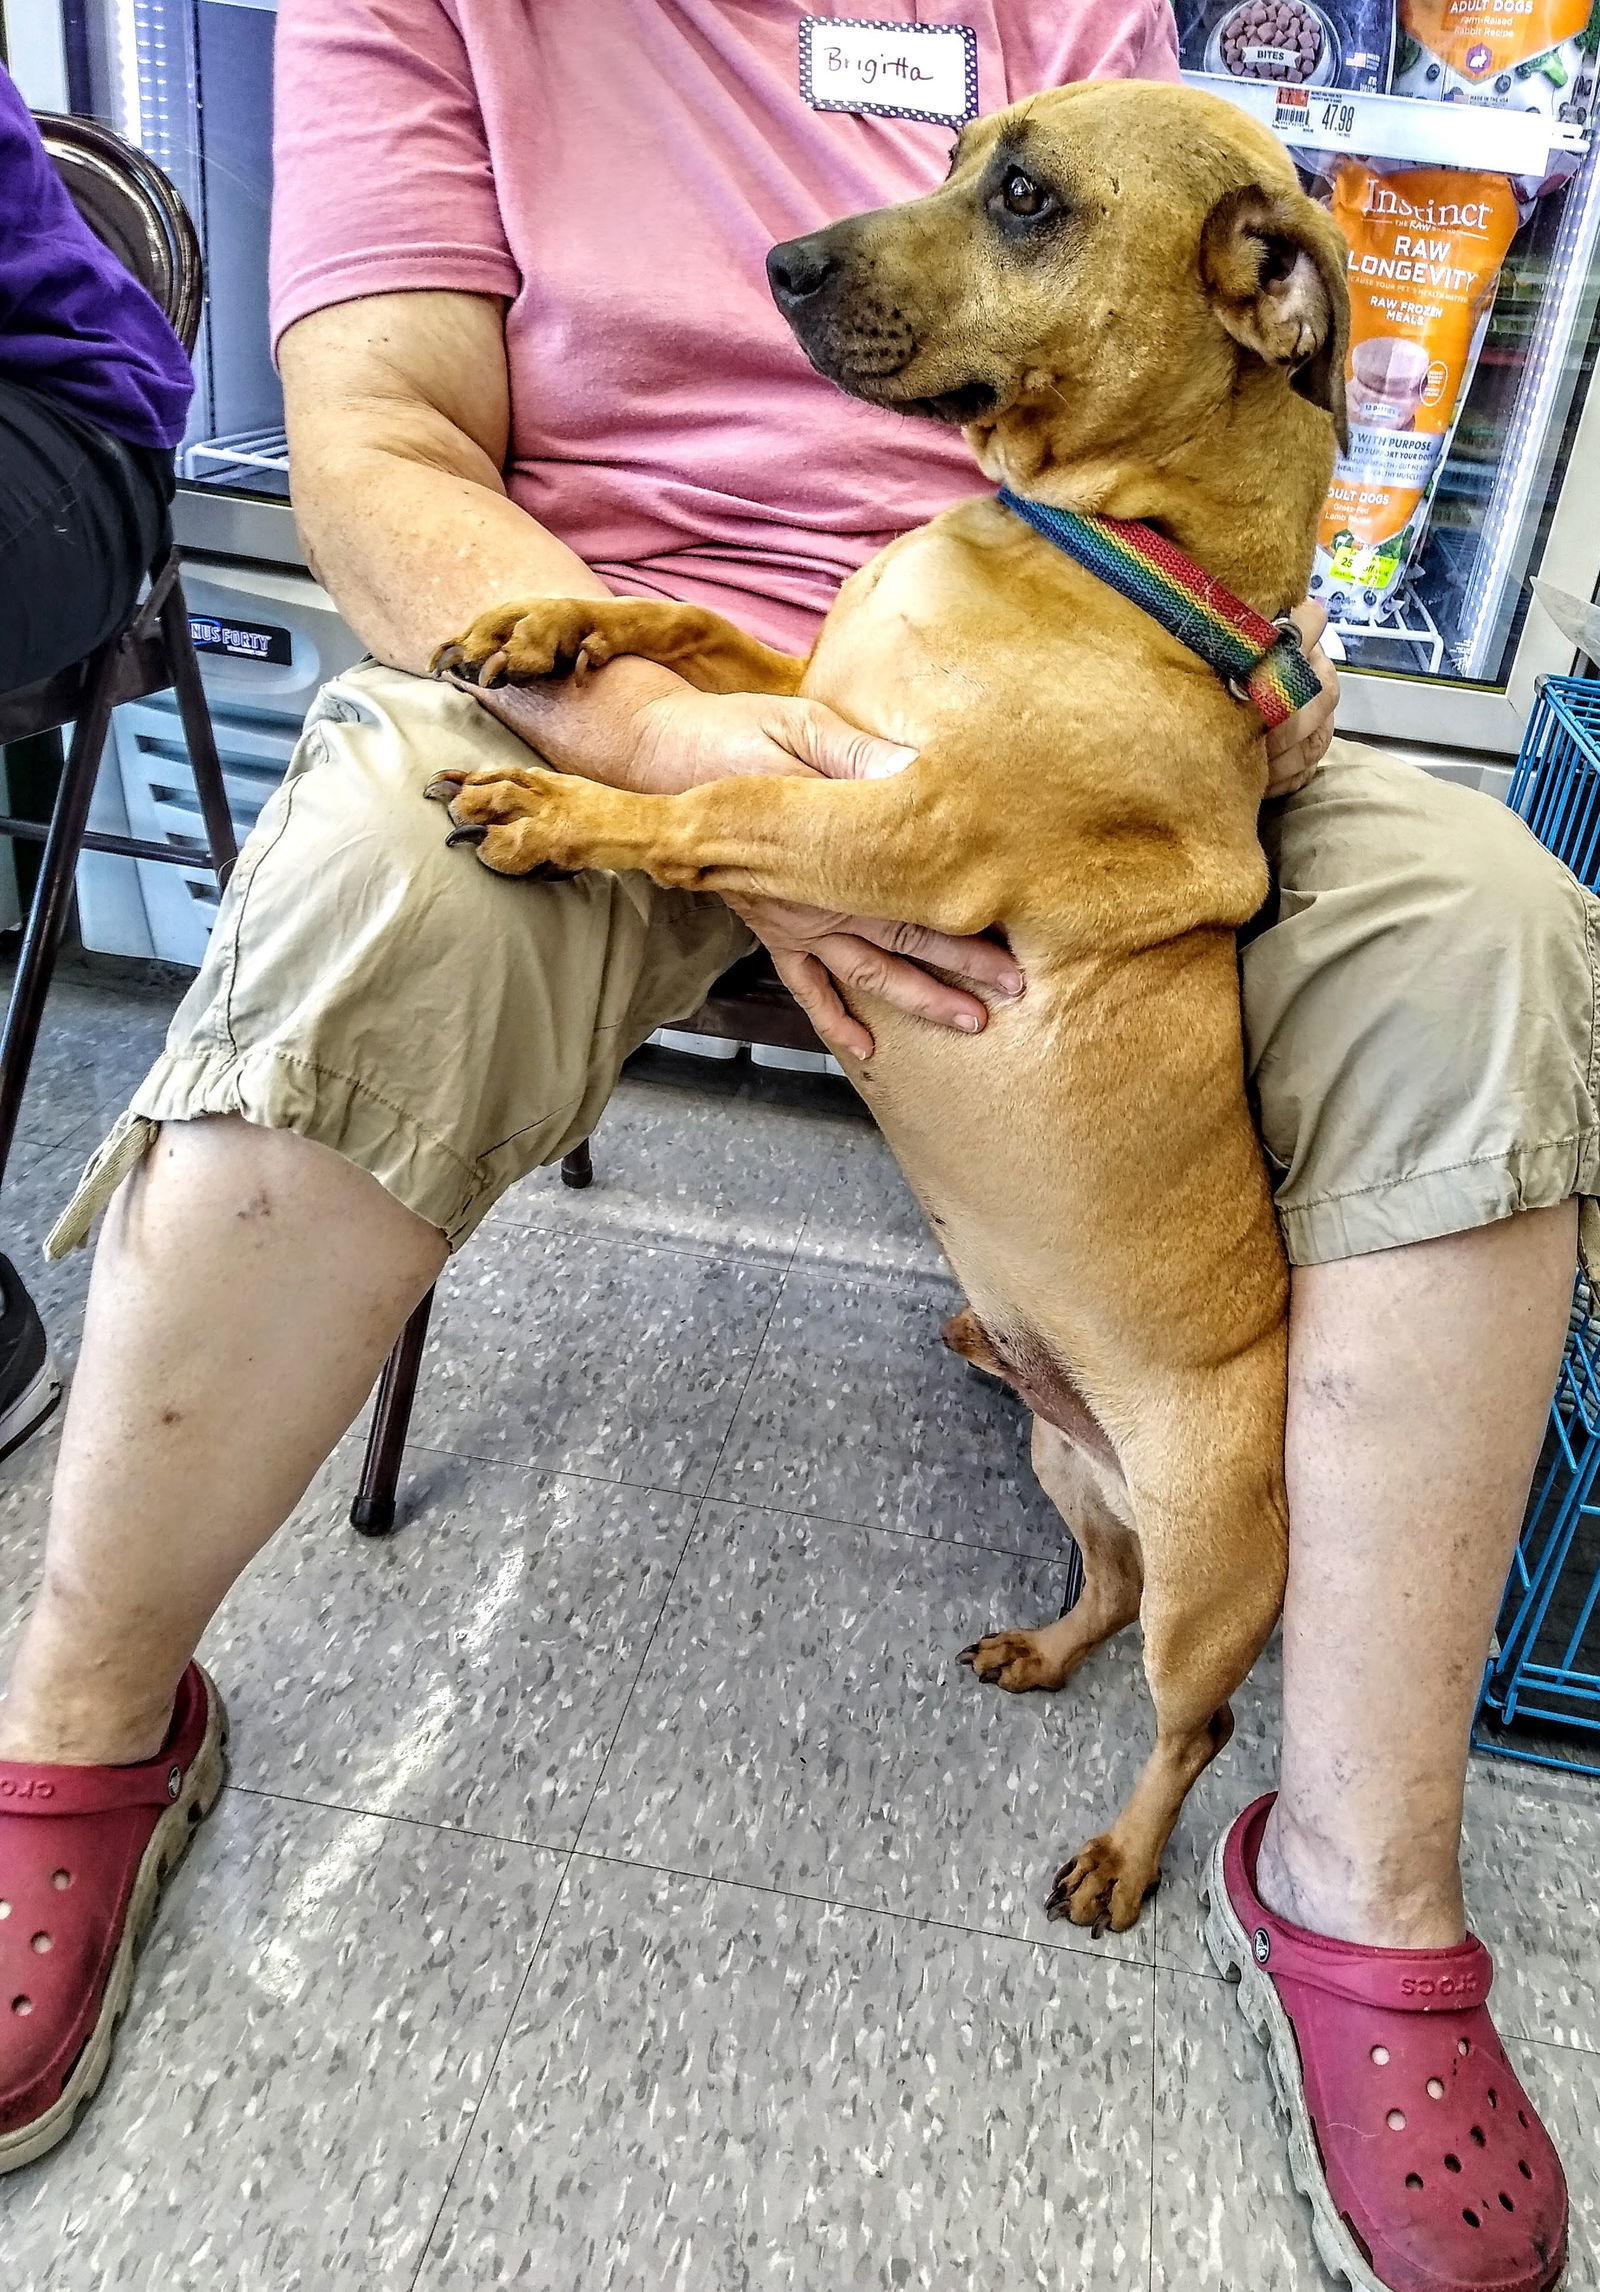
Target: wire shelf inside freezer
[{"x": 240, "y": 449}]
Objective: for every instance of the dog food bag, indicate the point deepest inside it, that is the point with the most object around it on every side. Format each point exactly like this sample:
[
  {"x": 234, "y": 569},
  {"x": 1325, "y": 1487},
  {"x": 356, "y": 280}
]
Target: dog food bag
[
  {"x": 1311, "y": 43},
  {"x": 1536, "y": 55},
  {"x": 1426, "y": 245}
]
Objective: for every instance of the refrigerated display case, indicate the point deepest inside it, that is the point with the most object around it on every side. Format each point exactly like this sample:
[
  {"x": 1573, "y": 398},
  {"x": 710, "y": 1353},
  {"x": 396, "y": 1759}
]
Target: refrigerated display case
[
  {"x": 1452, "y": 663},
  {"x": 1450, "y": 671}
]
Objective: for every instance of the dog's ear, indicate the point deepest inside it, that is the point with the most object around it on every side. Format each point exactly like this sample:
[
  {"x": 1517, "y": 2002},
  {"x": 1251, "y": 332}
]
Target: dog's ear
[{"x": 1273, "y": 263}]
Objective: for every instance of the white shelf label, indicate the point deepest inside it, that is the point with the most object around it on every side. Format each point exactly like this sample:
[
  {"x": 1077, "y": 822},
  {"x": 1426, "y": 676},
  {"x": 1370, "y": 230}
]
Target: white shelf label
[{"x": 1502, "y": 142}]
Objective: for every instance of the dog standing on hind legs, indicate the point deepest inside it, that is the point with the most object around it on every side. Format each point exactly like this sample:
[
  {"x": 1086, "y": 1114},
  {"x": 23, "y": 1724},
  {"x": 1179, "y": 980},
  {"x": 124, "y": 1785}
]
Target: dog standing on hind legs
[{"x": 1124, "y": 297}]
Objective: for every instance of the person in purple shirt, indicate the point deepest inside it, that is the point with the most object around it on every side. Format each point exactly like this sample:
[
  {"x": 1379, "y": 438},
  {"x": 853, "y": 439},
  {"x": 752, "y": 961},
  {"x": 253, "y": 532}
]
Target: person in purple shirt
[{"x": 94, "y": 391}]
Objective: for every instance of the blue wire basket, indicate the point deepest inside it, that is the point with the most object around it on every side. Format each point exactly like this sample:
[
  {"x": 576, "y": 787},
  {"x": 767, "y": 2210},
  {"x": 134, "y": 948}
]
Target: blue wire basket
[{"x": 1543, "y": 1678}]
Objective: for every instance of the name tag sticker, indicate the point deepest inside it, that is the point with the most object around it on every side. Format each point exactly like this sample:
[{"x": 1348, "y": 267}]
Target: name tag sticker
[{"x": 890, "y": 71}]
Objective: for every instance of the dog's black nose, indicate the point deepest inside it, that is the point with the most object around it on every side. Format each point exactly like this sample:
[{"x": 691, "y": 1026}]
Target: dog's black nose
[{"x": 799, "y": 269}]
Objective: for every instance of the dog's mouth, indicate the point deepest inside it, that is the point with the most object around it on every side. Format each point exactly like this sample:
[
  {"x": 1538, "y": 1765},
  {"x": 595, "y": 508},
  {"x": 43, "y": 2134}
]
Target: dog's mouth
[{"x": 967, "y": 402}]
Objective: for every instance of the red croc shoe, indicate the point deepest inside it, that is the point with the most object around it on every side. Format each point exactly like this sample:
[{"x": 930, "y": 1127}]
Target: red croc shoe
[
  {"x": 84, "y": 1852},
  {"x": 1423, "y": 2160}
]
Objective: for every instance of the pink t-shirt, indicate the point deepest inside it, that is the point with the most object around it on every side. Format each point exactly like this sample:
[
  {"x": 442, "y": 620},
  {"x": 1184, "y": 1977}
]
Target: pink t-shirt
[{"x": 618, "y": 169}]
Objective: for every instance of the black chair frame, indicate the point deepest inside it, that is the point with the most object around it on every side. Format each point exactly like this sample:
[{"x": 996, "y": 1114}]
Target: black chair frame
[{"x": 152, "y": 652}]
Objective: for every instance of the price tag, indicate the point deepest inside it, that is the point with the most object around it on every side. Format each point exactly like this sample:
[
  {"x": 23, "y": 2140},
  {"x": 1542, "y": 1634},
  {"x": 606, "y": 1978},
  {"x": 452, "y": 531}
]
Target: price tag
[{"x": 1332, "y": 119}]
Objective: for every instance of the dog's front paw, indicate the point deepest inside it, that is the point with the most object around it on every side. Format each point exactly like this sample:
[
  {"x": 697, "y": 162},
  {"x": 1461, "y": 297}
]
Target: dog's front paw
[
  {"x": 1014, "y": 1660},
  {"x": 530, "y": 638},
  {"x": 519, "y": 820},
  {"x": 1098, "y": 1888}
]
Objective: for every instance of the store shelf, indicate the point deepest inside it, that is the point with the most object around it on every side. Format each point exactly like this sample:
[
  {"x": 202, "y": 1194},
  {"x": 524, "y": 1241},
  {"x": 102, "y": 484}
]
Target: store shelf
[
  {"x": 1500, "y": 141},
  {"x": 241, "y": 449}
]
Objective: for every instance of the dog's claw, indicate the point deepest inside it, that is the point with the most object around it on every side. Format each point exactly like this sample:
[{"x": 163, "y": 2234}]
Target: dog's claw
[
  {"x": 445, "y": 659},
  {"x": 441, "y": 791},
  {"x": 465, "y": 836},
  {"x": 968, "y": 1653}
]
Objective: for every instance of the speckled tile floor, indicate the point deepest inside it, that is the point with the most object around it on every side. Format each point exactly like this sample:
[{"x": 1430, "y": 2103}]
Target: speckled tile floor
[{"x": 619, "y": 1888}]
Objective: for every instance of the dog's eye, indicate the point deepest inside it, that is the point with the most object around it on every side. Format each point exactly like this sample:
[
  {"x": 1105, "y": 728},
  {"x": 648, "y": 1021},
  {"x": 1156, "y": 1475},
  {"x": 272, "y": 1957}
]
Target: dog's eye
[{"x": 1020, "y": 195}]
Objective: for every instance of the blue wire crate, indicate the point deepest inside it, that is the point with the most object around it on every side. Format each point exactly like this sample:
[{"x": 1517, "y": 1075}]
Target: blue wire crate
[{"x": 1545, "y": 1672}]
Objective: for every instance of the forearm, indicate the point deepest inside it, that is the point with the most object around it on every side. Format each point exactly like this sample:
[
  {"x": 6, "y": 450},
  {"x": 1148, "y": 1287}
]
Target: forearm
[{"x": 411, "y": 552}]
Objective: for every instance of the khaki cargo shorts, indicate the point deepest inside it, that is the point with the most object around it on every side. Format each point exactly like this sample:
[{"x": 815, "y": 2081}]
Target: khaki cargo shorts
[{"x": 1420, "y": 1018}]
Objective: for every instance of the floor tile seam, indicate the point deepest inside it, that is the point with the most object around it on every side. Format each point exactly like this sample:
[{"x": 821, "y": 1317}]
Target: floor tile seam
[
  {"x": 410, "y": 1822},
  {"x": 878, "y": 1528},
  {"x": 756, "y": 1351},
  {"x": 695, "y": 1496},
  {"x": 908, "y": 1918},
  {"x": 43, "y": 1148},
  {"x": 491, "y": 2072},
  {"x": 638, "y": 1672},
  {"x": 709, "y": 1495},
  {"x": 774, "y": 1261},
  {"x": 1553, "y": 2044}
]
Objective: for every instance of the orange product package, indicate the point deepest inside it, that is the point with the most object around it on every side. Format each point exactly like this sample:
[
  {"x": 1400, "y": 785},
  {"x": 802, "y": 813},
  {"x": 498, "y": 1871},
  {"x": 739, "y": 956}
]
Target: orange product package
[
  {"x": 1426, "y": 245},
  {"x": 1528, "y": 53}
]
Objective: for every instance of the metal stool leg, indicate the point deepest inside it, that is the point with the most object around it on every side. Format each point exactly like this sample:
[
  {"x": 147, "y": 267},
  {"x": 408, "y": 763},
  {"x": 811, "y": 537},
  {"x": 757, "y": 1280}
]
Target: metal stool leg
[
  {"x": 52, "y": 898},
  {"x": 577, "y": 1168},
  {"x": 198, "y": 734},
  {"x": 374, "y": 1506}
]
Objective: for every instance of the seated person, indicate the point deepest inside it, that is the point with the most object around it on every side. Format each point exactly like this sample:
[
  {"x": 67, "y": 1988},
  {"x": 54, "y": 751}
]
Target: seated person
[
  {"x": 94, "y": 390},
  {"x": 527, "y": 347}
]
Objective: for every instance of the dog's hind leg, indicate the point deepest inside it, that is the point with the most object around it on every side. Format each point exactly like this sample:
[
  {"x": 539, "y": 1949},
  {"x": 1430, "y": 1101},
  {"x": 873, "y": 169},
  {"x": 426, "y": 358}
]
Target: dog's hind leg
[
  {"x": 1093, "y": 1501},
  {"x": 1214, "y": 1565}
]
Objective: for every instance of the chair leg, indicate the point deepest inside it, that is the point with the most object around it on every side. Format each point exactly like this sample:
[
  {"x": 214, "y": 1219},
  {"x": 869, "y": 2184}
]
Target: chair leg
[
  {"x": 374, "y": 1507},
  {"x": 52, "y": 897},
  {"x": 577, "y": 1168},
  {"x": 195, "y": 715}
]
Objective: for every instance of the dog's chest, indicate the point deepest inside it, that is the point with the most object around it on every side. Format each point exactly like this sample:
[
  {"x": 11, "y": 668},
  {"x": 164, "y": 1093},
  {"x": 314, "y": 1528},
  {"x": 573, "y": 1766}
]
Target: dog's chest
[{"x": 910, "y": 650}]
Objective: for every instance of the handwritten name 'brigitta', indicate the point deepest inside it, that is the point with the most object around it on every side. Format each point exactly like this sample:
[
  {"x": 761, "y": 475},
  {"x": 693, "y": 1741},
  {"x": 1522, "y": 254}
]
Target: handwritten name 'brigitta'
[{"x": 868, "y": 68}]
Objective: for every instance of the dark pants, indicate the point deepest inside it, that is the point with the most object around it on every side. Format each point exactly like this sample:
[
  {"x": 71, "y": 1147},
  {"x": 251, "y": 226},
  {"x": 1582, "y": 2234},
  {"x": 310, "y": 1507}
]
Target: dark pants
[{"x": 82, "y": 516}]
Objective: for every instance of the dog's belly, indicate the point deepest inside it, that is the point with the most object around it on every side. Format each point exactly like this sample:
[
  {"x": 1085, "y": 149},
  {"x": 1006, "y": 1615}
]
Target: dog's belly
[
  {"x": 1088, "y": 1162},
  {"x": 1090, "y": 1169}
]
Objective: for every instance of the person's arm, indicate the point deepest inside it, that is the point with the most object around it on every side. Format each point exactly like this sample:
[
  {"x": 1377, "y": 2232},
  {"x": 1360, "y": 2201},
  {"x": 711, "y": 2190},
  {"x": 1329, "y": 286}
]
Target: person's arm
[
  {"x": 399, "y": 417},
  {"x": 399, "y": 413}
]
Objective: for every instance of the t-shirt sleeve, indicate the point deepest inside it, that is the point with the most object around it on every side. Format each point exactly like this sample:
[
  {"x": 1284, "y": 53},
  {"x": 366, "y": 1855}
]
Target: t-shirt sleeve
[{"x": 381, "y": 175}]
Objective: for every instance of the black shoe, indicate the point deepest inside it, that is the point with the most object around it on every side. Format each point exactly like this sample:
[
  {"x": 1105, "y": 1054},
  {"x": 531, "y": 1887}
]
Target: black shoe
[{"x": 29, "y": 1385}]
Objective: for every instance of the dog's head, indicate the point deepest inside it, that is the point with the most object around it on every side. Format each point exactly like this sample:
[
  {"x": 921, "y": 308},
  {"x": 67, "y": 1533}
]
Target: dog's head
[{"x": 1103, "y": 269}]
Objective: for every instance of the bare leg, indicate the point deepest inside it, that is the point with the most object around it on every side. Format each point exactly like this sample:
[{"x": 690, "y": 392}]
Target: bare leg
[
  {"x": 1418, "y": 1384},
  {"x": 247, "y": 1287}
]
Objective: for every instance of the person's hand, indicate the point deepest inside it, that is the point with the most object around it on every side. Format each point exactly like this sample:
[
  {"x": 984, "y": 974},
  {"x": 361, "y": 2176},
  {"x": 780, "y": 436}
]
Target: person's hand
[
  {"x": 691, "y": 737},
  {"x": 647, "y": 729},
  {"x": 1297, "y": 746},
  {"x": 815, "y": 954}
]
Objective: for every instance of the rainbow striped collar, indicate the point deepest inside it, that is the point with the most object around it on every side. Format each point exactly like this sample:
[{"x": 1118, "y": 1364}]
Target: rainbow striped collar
[{"x": 1258, "y": 660}]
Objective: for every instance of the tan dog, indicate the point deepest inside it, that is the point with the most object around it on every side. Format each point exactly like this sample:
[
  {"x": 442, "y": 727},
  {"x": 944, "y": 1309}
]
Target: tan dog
[{"x": 1124, "y": 295}]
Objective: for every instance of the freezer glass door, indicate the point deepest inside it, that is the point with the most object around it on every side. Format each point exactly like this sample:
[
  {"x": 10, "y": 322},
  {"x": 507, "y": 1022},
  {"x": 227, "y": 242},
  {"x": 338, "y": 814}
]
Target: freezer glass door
[
  {"x": 1473, "y": 230},
  {"x": 190, "y": 81}
]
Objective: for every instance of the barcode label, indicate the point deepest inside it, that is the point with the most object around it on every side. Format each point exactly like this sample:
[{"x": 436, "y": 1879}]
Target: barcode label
[{"x": 1333, "y": 119}]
